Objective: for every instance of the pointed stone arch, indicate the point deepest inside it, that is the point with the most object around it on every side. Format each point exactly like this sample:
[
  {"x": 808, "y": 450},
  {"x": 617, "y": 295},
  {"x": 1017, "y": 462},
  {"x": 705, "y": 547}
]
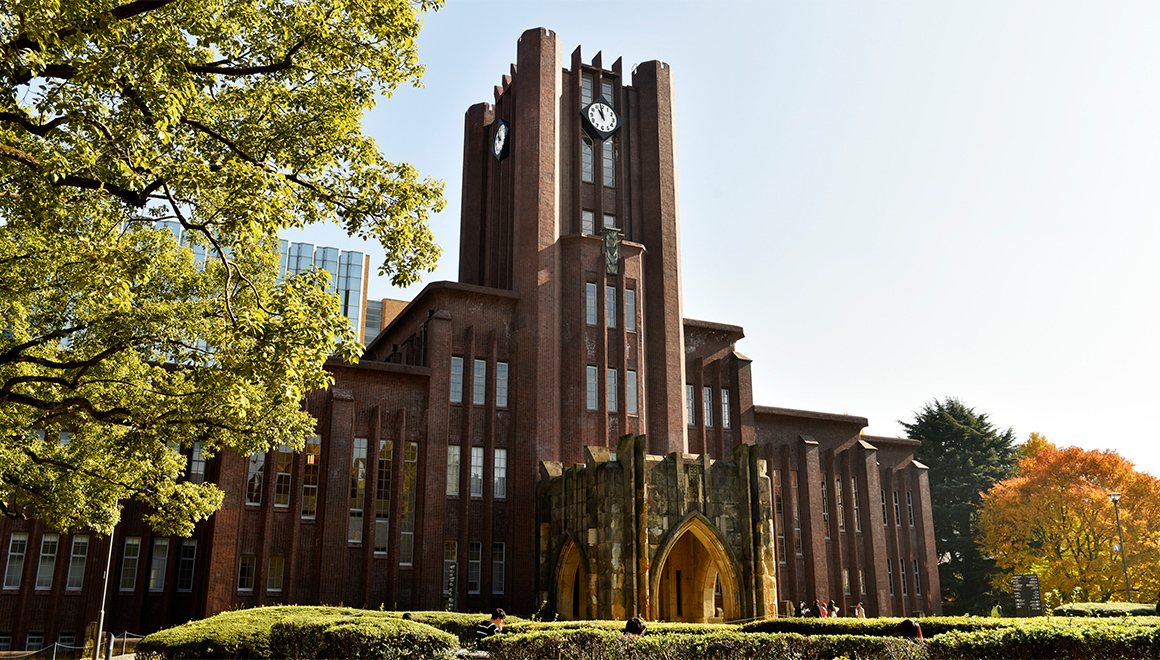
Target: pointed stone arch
[
  {"x": 571, "y": 582},
  {"x": 689, "y": 562}
]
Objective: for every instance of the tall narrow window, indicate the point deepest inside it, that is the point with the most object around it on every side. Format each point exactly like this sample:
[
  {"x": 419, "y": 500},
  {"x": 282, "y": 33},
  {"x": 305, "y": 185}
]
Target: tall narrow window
[
  {"x": 499, "y": 488},
  {"x": 606, "y": 89},
  {"x": 902, "y": 574},
  {"x": 44, "y": 570},
  {"x": 630, "y": 310},
  {"x": 779, "y": 513},
  {"x": 897, "y": 510},
  {"x": 17, "y": 547},
  {"x": 586, "y": 86},
  {"x": 479, "y": 383},
  {"x": 450, "y": 555},
  {"x": 358, "y": 490},
  {"x": 453, "y": 469},
  {"x": 825, "y": 508},
  {"x": 910, "y": 507},
  {"x": 501, "y": 384},
  {"x": 690, "y": 404},
  {"x": 76, "y": 565},
  {"x": 407, "y": 523},
  {"x": 610, "y": 306},
  {"x": 608, "y": 161},
  {"x": 890, "y": 575},
  {"x": 591, "y": 389},
  {"x": 383, "y": 496},
  {"x": 612, "y": 393},
  {"x": 630, "y": 391},
  {"x": 846, "y": 581},
  {"x": 498, "y": 560},
  {"x": 185, "y": 565},
  {"x": 590, "y": 303},
  {"x": 796, "y": 511},
  {"x": 282, "y": 481},
  {"x": 274, "y": 574},
  {"x": 196, "y": 464},
  {"x": 587, "y": 222},
  {"x": 707, "y": 397},
  {"x": 610, "y": 220},
  {"x": 310, "y": 477},
  {"x": 254, "y": 478},
  {"x": 477, "y": 471},
  {"x": 840, "y": 500},
  {"x": 246, "y": 573},
  {"x": 157, "y": 567},
  {"x": 917, "y": 580},
  {"x": 129, "y": 563},
  {"x": 726, "y": 416},
  {"x": 587, "y": 159},
  {"x": 854, "y": 495},
  {"x": 474, "y": 566},
  {"x": 885, "y": 517},
  {"x": 456, "y": 379}
]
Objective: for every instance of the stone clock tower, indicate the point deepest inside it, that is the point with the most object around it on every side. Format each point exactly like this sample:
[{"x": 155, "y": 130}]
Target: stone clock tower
[{"x": 542, "y": 217}]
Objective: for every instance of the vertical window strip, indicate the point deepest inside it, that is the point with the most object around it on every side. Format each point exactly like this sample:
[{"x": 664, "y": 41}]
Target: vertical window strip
[
  {"x": 283, "y": 479},
  {"x": 587, "y": 160},
  {"x": 726, "y": 417},
  {"x": 690, "y": 407},
  {"x": 630, "y": 391},
  {"x": 606, "y": 88},
  {"x": 779, "y": 513},
  {"x": 897, "y": 510},
  {"x": 890, "y": 575},
  {"x": 44, "y": 570},
  {"x": 407, "y": 523},
  {"x": 274, "y": 573},
  {"x": 825, "y": 507},
  {"x": 591, "y": 387},
  {"x": 841, "y": 503},
  {"x": 479, "y": 382},
  {"x": 129, "y": 563},
  {"x": 608, "y": 162},
  {"x": 885, "y": 516},
  {"x": 610, "y": 306},
  {"x": 185, "y": 565},
  {"x": 477, "y": 471},
  {"x": 902, "y": 574},
  {"x": 796, "y": 511},
  {"x": 17, "y": 547},
  {"x": 612, "y": 393},
  {"x": 456, "y": 379},
  {"x": 707, "y": 396},
  {"x": 383, "y": 496},
  {"x": 474, "y": 566},
  {"x": 501, "y": 384},
  {"x": 862, "y": 581},
  {"x": 630, "y": 310},
  {"x": 254, "y": 476},
  {"x": 499, "y": 487},
  {"x": 498, "y": 566},
  {"x": 586, "y": 86},
  {"x": 854, "y": 496},
  {"x": 157, "y": 566},
  {"x": 196, "y": 464},
  {"x": 246, "y": 573},
  {"x": 76, "y": 565},
  {"x": 358, "y": 490},
  {"x": 587, "y": 222},
  {"x": 610, "y": 220},
  {"x": 310, "y": 477},
  {"x": 590, "y": 303},
  {"x": 917, "y": 580},
  {"x": 910, "y": 507}
]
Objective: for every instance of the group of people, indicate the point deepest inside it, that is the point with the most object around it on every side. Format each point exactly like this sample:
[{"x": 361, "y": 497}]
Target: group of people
[{"x": 822, "y": 610}]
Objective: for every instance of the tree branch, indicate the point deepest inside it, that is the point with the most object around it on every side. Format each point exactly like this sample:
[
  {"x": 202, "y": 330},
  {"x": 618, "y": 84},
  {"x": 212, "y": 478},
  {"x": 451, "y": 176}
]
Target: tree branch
[{"x": 215, "y": 68}]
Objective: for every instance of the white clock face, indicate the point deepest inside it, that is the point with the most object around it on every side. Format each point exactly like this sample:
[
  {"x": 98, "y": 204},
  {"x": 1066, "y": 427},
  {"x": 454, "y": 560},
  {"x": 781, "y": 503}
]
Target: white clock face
[
  {"x": 602, "y": 117},
  {"x": 500, "y": 138}
]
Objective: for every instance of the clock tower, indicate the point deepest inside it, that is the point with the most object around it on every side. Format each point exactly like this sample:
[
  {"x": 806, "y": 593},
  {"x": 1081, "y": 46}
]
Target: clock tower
[{"x": 570, "y": 201}]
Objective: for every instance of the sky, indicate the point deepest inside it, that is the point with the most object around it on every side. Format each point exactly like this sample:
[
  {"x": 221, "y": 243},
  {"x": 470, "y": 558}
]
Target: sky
[{"x": 900, "y": 202}]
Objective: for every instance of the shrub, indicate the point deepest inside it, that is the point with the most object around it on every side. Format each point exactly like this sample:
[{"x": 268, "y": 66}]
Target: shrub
[
  {"x": 1106, "y": 609},
  {"x": 880, "y": 627},
  {"x": 1047, "y": 638},
  {"x": 618, "y": 626}
]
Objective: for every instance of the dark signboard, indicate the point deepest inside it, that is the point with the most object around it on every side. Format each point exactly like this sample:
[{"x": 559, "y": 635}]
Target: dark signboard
[
  {"x": 1027, "y": 600},
  {"x": 451, "y": 568}
]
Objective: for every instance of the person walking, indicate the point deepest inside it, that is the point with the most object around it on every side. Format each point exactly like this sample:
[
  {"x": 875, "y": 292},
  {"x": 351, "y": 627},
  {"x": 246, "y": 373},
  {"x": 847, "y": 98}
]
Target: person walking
[{"x": 997, "y": 610}]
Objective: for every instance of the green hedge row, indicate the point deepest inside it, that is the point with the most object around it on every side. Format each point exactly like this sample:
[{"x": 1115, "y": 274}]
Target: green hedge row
[
  {"x": 1048, "y": 638},
  {"x": 290, "y": 631},
  {"x": 618, "y": 626},
  {"x": 1106, "y": 609}
]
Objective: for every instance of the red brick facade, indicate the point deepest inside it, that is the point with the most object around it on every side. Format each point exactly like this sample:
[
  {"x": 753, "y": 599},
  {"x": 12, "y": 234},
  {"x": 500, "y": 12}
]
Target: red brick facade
[{"x": 527, "y": 269}]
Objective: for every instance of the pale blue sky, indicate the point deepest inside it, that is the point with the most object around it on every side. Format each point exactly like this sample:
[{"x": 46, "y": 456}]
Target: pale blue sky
[{"x": 898, "y": 201}]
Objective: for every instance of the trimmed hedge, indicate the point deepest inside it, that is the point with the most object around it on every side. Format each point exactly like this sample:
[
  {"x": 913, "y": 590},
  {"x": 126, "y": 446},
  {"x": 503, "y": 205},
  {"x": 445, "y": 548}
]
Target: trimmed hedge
[
  {"x": 651, "y": 627},
  {"x": 1048, "y": 638},
  {"x": 290, "y": 631},
  {"x": 880, "y": 627},
  {"x": 1106, "y": 609}
]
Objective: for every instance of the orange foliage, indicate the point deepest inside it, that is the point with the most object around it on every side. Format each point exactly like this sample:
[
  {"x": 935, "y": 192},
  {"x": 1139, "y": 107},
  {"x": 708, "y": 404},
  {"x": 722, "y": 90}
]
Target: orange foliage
[{"x": 1054, "y": 519}]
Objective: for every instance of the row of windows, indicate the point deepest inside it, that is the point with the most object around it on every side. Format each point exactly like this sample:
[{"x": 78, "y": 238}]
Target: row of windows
[
  {"x": 611, "y": 384},
  {"x": 587, "y": 146},
  {"x": 588, "y": 221},
  {"x": 611, "y": 311},
  {"x": 479, "y": 382},
  {"x": 475, "y": 565},
  {"x": 46, "y": 567},
  {"x": 248, "y": 570},
  {"x": 841, "y": 505},
  {"x": 382, "y": 495},
  {"x": 898, "y": 509},
  {"x": 795, "y": 509},
  {"x": 902, "y": 575},
  {"x": 707, "y": 406},
  {"x": 499, "y": 472},
  {"x": 283, "y": 476},
  {"x": 35, "y": 642}
]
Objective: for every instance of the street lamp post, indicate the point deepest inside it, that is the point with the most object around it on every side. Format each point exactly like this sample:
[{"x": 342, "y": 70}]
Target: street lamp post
[{"x": 1115, "y": 498}]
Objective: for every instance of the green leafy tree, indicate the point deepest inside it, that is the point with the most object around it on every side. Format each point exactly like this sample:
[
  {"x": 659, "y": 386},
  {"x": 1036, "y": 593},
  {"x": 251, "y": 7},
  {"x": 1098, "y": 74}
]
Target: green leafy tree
[
  {"x": 232, "y": 120},
  {"x": 966, "y": 454}
]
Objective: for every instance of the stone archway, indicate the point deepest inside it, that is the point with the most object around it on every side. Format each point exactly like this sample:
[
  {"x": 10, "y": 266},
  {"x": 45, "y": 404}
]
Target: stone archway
[
  {"x": 571, "y": 584},
  {"x": 689, "y": 568}
]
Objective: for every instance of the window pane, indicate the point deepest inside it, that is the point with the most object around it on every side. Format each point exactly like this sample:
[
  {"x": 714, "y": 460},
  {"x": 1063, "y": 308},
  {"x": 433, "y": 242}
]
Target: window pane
[
  {"x": 477, "y": 471},
  {"x": 310, "y": 476},
  {"x": 726, "y": 417},
  {"x": 479, "y": 383},
  {"x": 609, "y": 220},
  {"x": 282, "y": 480},
  {"x": 610, "y": 306},
  {"x": 586, "y": 85},
  {"x": 383, "y": 496},
  {"x": 474, "y": 561},
  {"x": 254, "y": 478},
  {"x": 185, "y": 565},
  {"x": 497, "y": 568},
  {"x": 500, "y": 486},
  {"x": 48, "y": 544},
  {"x": 591, "y": 390},
  {"x": 590, "y": 303},
  {"x": 501, "y": 384},
  {"x": 456, "y": 379},
  {"x": 587, "y": 160},
  {"x": 196, "y": 464},
  {"x": 453, "y": 469},
  {"x": 157, "y": 568},
  {"x": 407, "y": 523},
  {"x": 129, "y": 563},
  {"x": 690, "y": 408},
  {"x": 612, "y": 393},
  {"x": 608, "y": 162},
  {"x": 630, "y": 310},
  {"x": 358, "y": 489},
  {"x": 587, "y": 222},
  {"x": 76, "y": 565},
  {"x": 246, "y": 573},
  {"x": 606, "y": 88},
  {"x": 630, "y": 391},
  {"x": 707, "y": 393},
  {"x": 17, "y": 546},
  {"x": 274, "y": 576}
]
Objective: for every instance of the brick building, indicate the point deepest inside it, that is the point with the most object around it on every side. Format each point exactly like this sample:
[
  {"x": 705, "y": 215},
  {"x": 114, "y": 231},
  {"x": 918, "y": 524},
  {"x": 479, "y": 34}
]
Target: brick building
[{"x": 444, "y": 452}]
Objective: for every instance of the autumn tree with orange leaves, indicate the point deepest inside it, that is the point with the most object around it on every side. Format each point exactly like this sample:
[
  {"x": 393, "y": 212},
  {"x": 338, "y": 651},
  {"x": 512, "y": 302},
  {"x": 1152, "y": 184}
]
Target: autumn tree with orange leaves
[{"x": 1054, "y": 519}]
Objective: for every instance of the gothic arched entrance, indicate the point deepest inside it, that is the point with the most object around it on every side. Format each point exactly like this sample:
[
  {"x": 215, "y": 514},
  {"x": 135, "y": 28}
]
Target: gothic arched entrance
[
  {"x": 697, "y": 577},
  {"x": 571, "y": 584}
]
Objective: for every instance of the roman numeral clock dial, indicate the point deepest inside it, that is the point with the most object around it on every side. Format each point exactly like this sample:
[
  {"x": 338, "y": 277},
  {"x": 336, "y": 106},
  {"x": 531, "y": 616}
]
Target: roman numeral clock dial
[{"x": 599, "y": 119}]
